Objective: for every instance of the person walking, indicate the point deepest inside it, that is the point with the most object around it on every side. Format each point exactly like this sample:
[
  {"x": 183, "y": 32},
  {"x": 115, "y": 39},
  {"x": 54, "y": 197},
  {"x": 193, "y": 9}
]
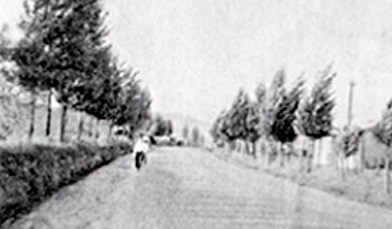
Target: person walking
[{"x": 140, "y": 151}]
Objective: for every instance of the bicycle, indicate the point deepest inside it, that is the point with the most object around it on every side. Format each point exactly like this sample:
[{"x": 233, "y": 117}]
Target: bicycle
[{"x": 140, "y": 159}]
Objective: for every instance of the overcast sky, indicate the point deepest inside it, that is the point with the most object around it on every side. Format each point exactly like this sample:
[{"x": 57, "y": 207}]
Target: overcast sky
[{"x": 194, "y": 55}]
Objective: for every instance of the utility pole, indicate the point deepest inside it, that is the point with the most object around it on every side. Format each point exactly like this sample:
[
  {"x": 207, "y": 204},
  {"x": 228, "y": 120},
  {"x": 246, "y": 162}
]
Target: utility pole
[{"x": 350, "y": 104}]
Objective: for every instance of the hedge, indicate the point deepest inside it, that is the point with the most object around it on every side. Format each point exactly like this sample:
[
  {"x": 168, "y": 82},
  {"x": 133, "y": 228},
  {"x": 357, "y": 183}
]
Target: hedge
[{"x": 30, "y": 174}]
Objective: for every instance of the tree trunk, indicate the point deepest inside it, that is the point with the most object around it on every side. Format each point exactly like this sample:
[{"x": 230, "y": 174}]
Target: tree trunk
[
  {"x": 320, "y": 151},
  {"x": 80, "y": 126},
  {"x": 378, "y": 166},
  {"x": 263, "y": 151},
  {"x": 90, "y": 127},
  {"x": 282, "y": 153},
  {"x": 342, "y": 166},
  {"x": 310, "y": 155},
  {"x": 386, "y": 170},
  {"x": 63, "y": 122},
  {"x": 291, "y": 150},
  {"x": 303, "y": 154},
  {"x": 301, "y": 160},
  {"x": 254, "y": 149},
  {"x": 110, "y": 132},
  {"x": 231, "y": 146},
  {"x": 262, "y": 147},
  {"x": 226, "y": 146},
  {"x": 362, "y": 154},
  {"x": 271, "y": 151},
  {"x": 32, "y": 115},
  {"x": 49, "y": 113},
  {"x": 97, "y": 128},
  {"x": 238, "y": 146},
  {"x": 247, "y": 147},
  {"x": 315, "y": 152}
]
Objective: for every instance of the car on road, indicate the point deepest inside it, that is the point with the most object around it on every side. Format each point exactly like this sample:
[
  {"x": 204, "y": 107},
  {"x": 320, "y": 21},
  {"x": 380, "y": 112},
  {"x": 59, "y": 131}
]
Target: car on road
[{"x": 167, "y": 140}]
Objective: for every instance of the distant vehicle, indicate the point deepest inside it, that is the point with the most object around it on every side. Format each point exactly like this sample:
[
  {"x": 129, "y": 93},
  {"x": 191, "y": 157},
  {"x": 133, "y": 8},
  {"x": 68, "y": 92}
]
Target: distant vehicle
[
  {"x": 168, "y": 141},
  {"x": 179, "y": 141},
  {"x": 162, "y": 140}
]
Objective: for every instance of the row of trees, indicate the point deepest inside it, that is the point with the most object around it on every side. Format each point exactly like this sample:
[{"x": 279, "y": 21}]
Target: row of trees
[
  {"x": 159, "y": 126},
  {"x": 278, "y": 115},
  {"x": 64, "y": 52},
  {"x": 192, "y": 136}
]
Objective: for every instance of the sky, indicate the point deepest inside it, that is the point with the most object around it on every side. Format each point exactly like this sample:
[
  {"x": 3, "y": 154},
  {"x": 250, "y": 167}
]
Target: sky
[{"x": 195, "y": 55}]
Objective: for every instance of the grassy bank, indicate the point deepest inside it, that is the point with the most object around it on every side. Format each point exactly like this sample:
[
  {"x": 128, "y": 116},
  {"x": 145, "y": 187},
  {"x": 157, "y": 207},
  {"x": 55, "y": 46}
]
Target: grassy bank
[
  {"x": 31, "y": 173},
  {"x": 362, "y": 186}
]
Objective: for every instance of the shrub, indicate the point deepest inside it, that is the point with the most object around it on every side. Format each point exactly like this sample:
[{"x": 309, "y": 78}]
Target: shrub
[{"x": 29, "y": 174}]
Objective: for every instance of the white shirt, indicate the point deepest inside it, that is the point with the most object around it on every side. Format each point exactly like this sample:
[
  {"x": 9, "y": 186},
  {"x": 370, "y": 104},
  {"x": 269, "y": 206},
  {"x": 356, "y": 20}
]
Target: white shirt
[{"x": 140, "y": 146}]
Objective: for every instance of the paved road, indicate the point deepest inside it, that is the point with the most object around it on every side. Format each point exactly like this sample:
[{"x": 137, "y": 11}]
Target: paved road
[{"x": 189, "y": 188}]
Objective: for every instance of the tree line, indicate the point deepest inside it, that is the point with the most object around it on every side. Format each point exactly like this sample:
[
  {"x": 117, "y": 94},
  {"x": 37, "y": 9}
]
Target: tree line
[
  {"x": 278, "y": 115},
  {"x": 192, "y": 136},
  {"x": 64, "y": 52},
  {"x": 159, "y": 126}
]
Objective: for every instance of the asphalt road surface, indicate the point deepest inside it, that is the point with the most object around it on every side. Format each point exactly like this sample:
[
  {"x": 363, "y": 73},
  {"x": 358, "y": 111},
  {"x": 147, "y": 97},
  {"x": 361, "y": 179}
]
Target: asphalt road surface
[{"x": 191, "y": 188}]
